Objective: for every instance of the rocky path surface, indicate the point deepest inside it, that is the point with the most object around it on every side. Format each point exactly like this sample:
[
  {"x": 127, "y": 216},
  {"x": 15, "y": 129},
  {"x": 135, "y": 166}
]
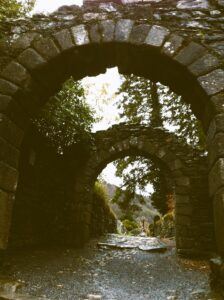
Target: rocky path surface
[{"x": 108, "y": 273}]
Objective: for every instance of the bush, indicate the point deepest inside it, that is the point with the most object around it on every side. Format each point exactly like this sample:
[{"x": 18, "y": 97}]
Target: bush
[
  {"x": 103, "y": 218},
  {"x": 130, "y": 225},
  {"x": 100, "y": 192},
  {"x": 163, "y": 226}
]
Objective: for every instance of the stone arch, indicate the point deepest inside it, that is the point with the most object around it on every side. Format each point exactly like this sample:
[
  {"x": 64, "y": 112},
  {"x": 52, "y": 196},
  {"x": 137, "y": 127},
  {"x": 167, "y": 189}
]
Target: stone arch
[
  {"x": 84, "y": 41},
  {"x": 194, "y": 229}
]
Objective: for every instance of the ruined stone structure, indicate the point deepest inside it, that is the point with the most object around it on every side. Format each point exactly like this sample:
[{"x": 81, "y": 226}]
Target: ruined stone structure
[
  {"x": 55, "y": 200},
  {"x": 186, "y": 168},
  {"x": 179, "y": 43}
]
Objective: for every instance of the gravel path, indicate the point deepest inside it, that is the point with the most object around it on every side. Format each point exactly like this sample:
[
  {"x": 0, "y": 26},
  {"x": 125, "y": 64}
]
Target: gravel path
[{"x": 69, "y": 274}]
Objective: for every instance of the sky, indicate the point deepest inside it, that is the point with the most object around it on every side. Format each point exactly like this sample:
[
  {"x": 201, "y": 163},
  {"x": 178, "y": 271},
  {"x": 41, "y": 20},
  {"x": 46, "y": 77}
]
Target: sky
[
  {"x": 109, "y": 83},
  {"x": 49, "y": 6}
]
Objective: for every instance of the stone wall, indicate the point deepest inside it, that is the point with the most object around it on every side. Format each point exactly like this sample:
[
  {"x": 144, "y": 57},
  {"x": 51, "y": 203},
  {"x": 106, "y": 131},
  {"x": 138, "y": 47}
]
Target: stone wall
[{"x": 42, "y": 211}]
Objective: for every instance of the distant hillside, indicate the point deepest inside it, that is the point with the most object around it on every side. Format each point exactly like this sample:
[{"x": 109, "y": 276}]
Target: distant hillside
[{"x": 145, "y": 210}]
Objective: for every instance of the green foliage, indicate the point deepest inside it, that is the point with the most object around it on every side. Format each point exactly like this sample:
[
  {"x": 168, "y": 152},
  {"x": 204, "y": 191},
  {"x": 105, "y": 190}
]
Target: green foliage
[
  {"x": 129, "y": 225},
  {"x": 101, "y": 197},
  {"x": 14, "y": 8},
  {"x": 100, "y": 192},
  {"x": 144, "y": 102},
  {"x": 66, "y": 118},
  {"x": 163, "y": 227},
  {"x": 137, "y": 102},
  {"x": 136, "y": 173}
]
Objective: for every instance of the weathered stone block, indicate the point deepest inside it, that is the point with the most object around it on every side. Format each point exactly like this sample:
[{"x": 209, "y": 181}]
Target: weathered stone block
[
  {"x": 172, "y": 45},
  {"x": 25, "y": 40},
  {"x": 80, "y": 35},
  {"x": 9, "y": 154},
  {"x": 47, "y": 48},
  {"x": 204, "y": 64},
  {"x": 182, "y": 199},
  {"x": 218, "y": 102},
  {"x": 157, "y": 36},
  {"x": 6, "y": 204},
  {"x": 216, "y": 176},
  {"x": 183, "y": 220},
  {"x": 182, "y": 181},
  {"x": 16, "y": 73},
  {"x": 123, "y": 30},
  {"x": 4, "y": 102},
  {"x": 211, "y": 132},
  {"x": 108, "y": 28},
  {"x": 7, "y": 88},
  {"x": 218, "y": 208},
  {"x": 219, "y": 123},
  {"x": 64, "y": 39},
  {"x": 216, "y": 148},
  {"x": 213, "y": 82},
  {"x": 94, "y": 33},
  {"x": 184, "y": 210},
  {"x": 8, "y": 177},
  {"x": 199, "y": 4},
  {"x": 31, "y": 59},
  {"x": 139, "y": 33},
  {"x": 11, "y": 108},
  {"x": 10, "y": 132},
  {"x": 190, "y": 53},
  {"x": 175, "y": 164}
]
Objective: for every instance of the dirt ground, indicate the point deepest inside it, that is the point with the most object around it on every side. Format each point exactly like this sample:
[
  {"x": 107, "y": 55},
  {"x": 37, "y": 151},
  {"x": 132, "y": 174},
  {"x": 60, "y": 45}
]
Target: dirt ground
[{"x": 110, "y": 274}]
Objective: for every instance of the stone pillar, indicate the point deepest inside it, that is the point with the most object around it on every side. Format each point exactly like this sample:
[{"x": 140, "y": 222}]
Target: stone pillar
[
  {"x": 216, "y": 176},
  {"x": 10, "y": 139},
  {"x": 216, "y": 185}
]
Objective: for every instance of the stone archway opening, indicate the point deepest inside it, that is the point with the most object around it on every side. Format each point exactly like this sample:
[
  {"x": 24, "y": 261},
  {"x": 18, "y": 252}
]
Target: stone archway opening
[
  {"x": 138, "y": 208},
  {"x": 126, "y": 140}
]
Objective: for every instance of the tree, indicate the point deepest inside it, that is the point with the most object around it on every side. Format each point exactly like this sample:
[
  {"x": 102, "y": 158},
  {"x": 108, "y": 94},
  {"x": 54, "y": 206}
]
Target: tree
[
  {"x": 137, "y": 173},
  {"x": 144, "y": 102},
  {"x": 15, "y": 9},
  {"x": 66, "y": 118}
]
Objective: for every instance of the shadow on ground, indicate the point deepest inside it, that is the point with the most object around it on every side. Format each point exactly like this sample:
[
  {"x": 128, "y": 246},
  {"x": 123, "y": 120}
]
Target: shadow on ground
[{"x": 108, "y": 273}]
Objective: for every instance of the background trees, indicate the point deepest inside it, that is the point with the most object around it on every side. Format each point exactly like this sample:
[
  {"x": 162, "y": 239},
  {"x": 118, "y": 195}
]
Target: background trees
[
  {"x": 15, "y": 8},
  {"x": 152, "y": 104},
  {"x": 66, "y": 118}
]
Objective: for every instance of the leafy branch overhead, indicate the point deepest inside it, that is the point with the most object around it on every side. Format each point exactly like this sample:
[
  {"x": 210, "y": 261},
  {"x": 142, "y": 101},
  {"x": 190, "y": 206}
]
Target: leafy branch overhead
[
  {"x": 13, "y": 9},
  {"x": 144, "y": 102},
  {"x": 66, "y": 119}
]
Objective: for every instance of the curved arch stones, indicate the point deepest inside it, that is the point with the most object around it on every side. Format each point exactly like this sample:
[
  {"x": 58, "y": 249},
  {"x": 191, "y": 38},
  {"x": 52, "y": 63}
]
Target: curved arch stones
[{"x": 147, "y": 40}]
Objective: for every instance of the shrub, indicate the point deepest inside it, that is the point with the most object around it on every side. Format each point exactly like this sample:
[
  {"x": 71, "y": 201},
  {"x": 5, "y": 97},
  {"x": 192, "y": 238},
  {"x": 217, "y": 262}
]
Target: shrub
[{"x": 130, "y": 225}]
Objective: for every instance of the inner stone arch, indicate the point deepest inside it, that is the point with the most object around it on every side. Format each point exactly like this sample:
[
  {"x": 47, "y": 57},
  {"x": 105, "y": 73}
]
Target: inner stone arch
[{"x": 178, "y": 160}]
